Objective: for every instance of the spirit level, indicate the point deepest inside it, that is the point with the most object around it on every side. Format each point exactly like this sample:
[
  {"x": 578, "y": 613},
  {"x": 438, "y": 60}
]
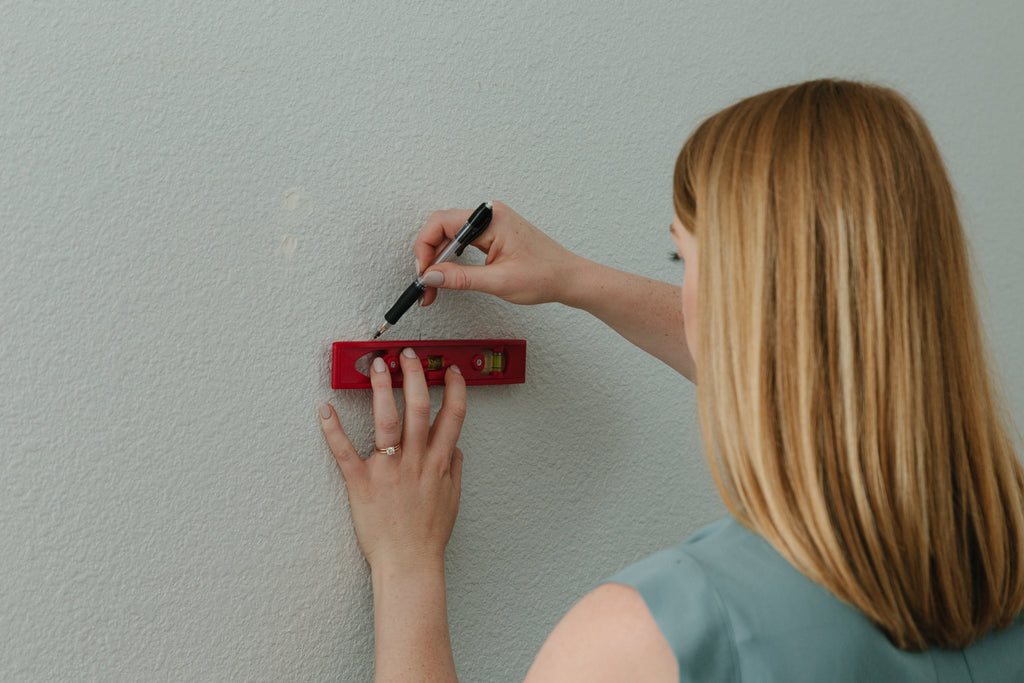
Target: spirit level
[{"x": 482, "y": 361}]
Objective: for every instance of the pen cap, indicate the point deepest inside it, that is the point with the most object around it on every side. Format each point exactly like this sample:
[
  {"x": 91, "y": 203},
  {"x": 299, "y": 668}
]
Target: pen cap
[{"x": 476, "y": 224}]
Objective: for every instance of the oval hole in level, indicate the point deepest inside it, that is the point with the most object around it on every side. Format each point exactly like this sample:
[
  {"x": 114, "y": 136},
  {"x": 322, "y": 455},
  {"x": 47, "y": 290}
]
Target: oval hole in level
[{"x": 362, "y": 363}]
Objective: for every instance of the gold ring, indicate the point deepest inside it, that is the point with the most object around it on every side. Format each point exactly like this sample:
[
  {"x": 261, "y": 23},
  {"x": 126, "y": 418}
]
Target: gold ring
[{"x": 390, "y": 450}]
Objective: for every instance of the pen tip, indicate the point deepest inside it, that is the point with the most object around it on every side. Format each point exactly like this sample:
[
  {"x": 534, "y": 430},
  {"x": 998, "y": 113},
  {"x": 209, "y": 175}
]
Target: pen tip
[{"x": 490, "y": 205}]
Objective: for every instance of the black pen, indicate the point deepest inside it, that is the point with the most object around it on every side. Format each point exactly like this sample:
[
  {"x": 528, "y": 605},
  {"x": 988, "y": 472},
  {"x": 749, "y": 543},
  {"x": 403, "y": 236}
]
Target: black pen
[{"x": 476, "y": 224}]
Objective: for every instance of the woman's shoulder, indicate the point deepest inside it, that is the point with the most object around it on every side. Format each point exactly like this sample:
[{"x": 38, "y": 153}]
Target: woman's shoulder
[
  {"x": 728, "y": 603},
  {"x": 656, "y": 615},
  {"x": 609, "y": 635},
  {"x": 680, "y": 588},
  {"x": 726, "y": 573}
]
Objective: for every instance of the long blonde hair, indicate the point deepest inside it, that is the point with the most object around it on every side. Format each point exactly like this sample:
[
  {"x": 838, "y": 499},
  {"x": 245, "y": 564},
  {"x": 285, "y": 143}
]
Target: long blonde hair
[{"x": 845, "y": 397}]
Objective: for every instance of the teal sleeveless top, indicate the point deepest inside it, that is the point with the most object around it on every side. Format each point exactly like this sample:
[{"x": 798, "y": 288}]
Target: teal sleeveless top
[{"x": 733, "y": 609}]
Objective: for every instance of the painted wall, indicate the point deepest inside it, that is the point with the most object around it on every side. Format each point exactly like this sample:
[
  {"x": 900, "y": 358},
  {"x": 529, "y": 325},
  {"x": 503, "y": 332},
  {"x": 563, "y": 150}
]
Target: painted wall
[{"x": 198, "y": 197}]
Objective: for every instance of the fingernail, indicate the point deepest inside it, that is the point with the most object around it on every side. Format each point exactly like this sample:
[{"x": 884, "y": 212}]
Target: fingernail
[
  {"x": 378, "y": 365},
  {"x": 325, "y": 411},
  {"x": 455, "y": 369},
  {"x": 419, "y": 267},
  {"x": 408, "y": 353},
  {"x": 434, "y": 278}
]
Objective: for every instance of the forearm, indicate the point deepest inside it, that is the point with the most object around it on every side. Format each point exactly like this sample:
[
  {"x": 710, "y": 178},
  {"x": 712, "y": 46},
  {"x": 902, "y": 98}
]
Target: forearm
[
  {"x": 646, "y": 312},
  {"x": 411, "y": 626}
]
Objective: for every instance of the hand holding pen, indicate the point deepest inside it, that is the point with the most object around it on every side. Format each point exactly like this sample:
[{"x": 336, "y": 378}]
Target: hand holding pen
[
  {"x": 475, "y": 224},
  {"x": 523, "y": 266}
]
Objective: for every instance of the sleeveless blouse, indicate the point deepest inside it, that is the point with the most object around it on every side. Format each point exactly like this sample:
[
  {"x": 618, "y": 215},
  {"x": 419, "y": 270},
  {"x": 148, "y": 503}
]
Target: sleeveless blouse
[{"x": 733, "y": 609}]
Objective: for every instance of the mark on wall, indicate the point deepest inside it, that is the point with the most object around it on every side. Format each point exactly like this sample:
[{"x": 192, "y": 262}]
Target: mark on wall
[
  {"x": 288, "y": 245},
  {"x": 299, "y": 207},
  {"x": 296, "y": 199}
]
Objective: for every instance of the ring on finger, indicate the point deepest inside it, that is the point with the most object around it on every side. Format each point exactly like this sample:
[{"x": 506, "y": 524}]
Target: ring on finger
[{"x": 390, "y": 450}]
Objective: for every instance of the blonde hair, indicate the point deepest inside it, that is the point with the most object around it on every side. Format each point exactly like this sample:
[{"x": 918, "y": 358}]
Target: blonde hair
[{"x": 845, "y": 398}]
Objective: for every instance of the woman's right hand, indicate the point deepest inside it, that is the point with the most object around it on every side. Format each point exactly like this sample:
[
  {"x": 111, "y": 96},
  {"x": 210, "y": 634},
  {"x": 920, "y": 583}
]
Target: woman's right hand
[{"x": 523, "y": 266}]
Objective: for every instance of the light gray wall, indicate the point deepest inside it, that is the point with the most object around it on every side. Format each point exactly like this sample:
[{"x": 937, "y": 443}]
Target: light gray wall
[{"x": 198, "y": 197}]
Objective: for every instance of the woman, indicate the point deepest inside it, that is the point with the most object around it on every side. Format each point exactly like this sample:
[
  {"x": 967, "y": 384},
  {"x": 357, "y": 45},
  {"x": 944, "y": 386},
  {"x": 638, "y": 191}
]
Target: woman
[{"x": 877, "y": 528}]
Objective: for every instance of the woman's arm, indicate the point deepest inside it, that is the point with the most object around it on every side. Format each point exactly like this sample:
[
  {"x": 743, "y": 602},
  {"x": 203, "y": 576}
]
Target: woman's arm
[
  {"x": 404, "y": 506},
  {"x": 525, "y": 266},
  {"x": 646, "y": 312},
  {"x": 403, "y": 509},
  {"x": 410, "y": 624}
]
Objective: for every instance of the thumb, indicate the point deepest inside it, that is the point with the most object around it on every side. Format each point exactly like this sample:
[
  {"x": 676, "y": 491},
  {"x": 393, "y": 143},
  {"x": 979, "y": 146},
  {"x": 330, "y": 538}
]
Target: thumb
[{"x": 455, "y": 276}]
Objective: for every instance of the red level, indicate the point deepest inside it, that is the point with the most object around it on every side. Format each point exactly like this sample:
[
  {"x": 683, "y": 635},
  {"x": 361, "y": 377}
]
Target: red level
[{"x": 482, "y": 361}]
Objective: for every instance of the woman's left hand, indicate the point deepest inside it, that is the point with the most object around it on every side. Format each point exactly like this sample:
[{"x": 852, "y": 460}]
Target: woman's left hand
[{"x": 404, "y": 504}]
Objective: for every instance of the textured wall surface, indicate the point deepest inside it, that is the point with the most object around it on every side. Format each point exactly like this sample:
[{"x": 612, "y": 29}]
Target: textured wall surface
[{"x": 198, "y": 197}]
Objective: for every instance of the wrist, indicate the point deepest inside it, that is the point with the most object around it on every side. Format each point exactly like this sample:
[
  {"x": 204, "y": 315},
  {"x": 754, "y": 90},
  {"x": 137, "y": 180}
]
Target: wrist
[
  {"x": 411, "y": 622},
  {"x": 578, "y": 281},
  {"x": 406, "y": 571}
]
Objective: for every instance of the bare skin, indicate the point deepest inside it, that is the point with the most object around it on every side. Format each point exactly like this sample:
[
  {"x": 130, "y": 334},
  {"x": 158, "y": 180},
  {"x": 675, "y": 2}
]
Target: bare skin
[
  {"x": 525, "y": 266},
  {"x": 403, "y": 509},
  {"x": 404, "y": 505}
]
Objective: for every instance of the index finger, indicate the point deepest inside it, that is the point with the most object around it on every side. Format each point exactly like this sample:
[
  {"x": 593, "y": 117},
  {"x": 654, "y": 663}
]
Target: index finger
[
  {"x": 344, "y": 453},
  {"x": 441, "y": 227}
]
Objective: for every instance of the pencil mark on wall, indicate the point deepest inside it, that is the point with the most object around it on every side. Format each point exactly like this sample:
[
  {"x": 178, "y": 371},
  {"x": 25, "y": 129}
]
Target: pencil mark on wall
[
  {"x": 288, "y": 245},
  {"x": 296, "y": 199},
  {"x": 298, "y": 206}
]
